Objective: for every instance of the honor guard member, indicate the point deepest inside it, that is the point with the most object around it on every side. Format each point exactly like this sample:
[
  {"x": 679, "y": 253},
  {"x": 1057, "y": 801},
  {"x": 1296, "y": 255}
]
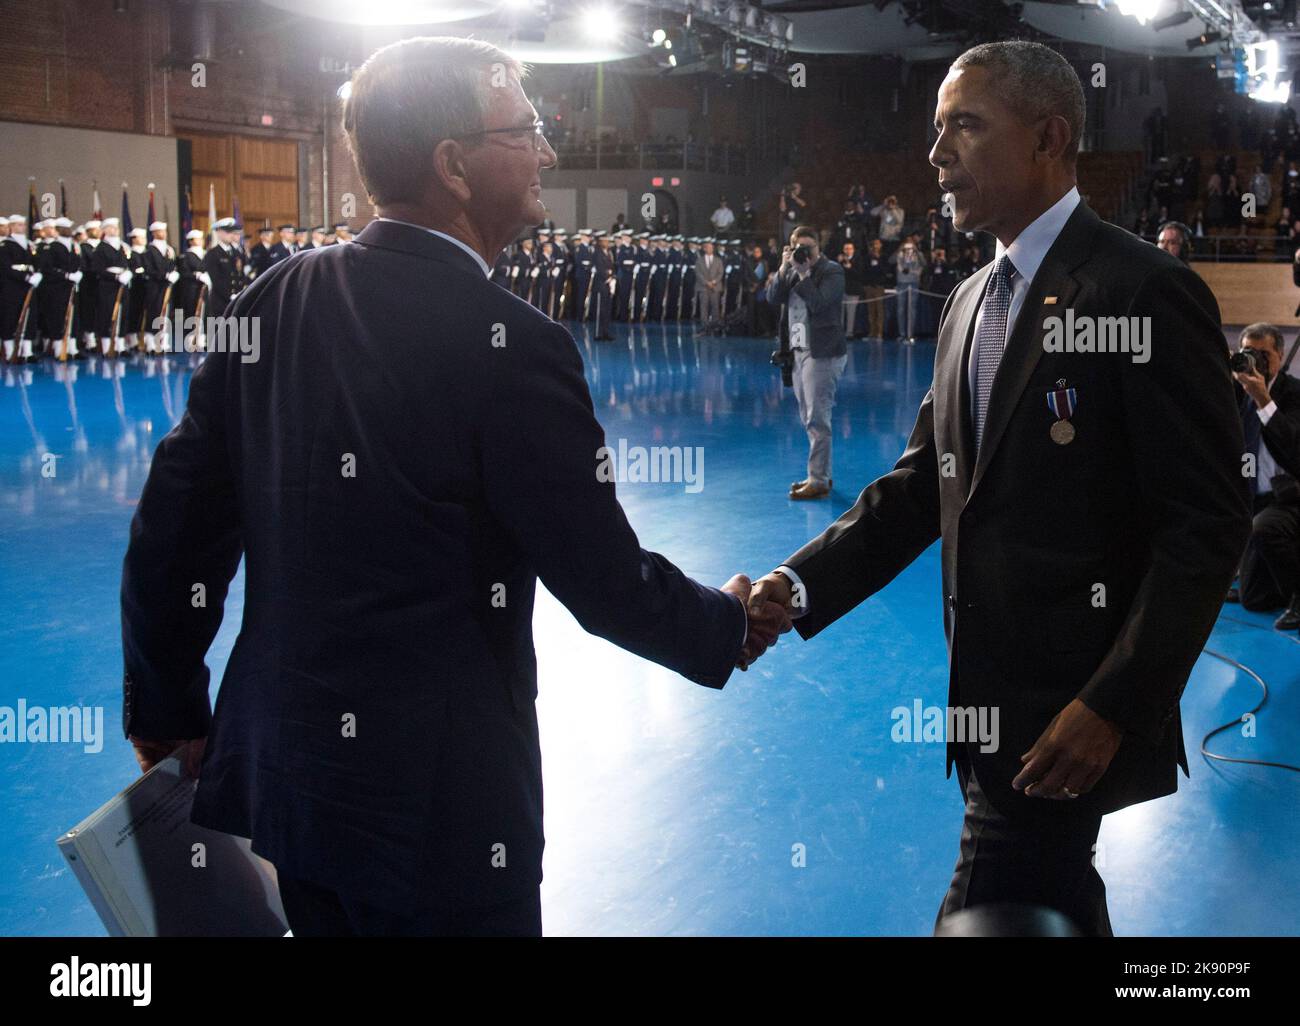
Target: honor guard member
[
  {"x": 259, "y": 259},
  {"x": 686, "y": 294},
  {"x": 60, "y": 268},
  {"x": 521, "y": 270},
  {"x": 18, "y": 278},
  {"x": 136, "y": 291},
  {"x": 195, "y": 282},
  {"x": 541, "y": 269},
  {"x": 88, "y": 293},
  {"x": 342, "y": 233},
  {"x": 655, "y": 282},
  {"x": 676, "y": 267},
  {"x": 302, "y": 239},
  {"x": 40, "y": 238},
  {"x": 543, "y": 287},
  {"x": 603, "y": 282},
  {"x": 625, "y": 263},
  {"x": 317, "y": 238},
  {"x": 111, "y": 266},
  {"x": 161, "y": 277},
  {"x": 563, "y": 257},
  {"x": 501, "y": 269},
  {"x": 286, "y": 247},
  {"x": 641, "y": 276},
  {"x": 222, "y": 267},
  {"x": 584, "y": 258}
]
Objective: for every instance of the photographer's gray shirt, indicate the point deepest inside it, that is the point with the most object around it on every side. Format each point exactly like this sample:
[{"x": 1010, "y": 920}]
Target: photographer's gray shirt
[{"x": 797, "y": 311}]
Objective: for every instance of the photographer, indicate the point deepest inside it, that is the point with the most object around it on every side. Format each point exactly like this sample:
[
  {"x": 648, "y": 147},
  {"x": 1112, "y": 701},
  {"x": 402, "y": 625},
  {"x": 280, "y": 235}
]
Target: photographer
[
  {"x": 1270, "y": 416},
  {"x": 812, "y": 289}
]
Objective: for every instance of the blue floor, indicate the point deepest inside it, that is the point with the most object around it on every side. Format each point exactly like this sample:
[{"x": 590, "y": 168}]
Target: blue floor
[{"x": 671, "y": 809}]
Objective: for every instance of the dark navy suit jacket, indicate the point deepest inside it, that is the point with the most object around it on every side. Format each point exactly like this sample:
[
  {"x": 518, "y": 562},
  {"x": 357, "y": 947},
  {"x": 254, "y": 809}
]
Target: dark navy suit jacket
[{"x": 414, "y": 448}]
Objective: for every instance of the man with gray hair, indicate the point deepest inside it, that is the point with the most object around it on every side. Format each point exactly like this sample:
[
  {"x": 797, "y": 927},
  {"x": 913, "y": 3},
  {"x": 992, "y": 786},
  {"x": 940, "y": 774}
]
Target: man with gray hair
[
  {"x": 1091, "y": 505},
  {"x": 414, "y": 449}
]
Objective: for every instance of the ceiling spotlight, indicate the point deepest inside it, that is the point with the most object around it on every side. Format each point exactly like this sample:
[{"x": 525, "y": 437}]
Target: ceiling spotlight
[
  {"x": 657, "y": 37},
  {"x": 1204, "y": 39},
  {"x": 600, "y": 23}
]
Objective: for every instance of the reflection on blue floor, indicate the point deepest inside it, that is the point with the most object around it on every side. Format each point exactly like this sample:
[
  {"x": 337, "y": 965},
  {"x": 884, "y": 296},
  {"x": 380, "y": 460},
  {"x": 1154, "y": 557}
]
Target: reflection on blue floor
[{"x": 670, "y": 808}]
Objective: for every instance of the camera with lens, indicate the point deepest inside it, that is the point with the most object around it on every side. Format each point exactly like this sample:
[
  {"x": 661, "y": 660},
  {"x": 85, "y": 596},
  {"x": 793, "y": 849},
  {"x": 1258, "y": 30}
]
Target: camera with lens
[
  {"x": 801, "y": 254},
  {"x": 784, "y": 359},
  {"x": 1246, "y": 361}
]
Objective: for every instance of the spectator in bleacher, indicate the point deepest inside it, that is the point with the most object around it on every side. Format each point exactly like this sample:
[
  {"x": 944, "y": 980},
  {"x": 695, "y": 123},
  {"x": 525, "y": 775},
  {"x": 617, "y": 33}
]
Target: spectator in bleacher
[
  {"x": 1284, "y": 249},
  {"x": 1270, "y": 416},
  {"x": 1232, "y": 204},
  {"x": 1291, "y": 186},
  {"x": 1214, "y": 212},
  {"x": 909, "y": 264},
  {"x": 1142, "y": 226},
  {"x": 790, "y": 206},
  {"x": 1162, "y": 185},
  {"x": 745, "y": 221},
  {"x": 847, "y": 229},
  {"x": 891, "y": 221},
  {"x": 854, "y": 285},
  {"x": 1261, "y": 186},
  {"x": 876, "y": 277},
  {"x": 723, "y": 218},
  {"x": 936, "y": 233}
]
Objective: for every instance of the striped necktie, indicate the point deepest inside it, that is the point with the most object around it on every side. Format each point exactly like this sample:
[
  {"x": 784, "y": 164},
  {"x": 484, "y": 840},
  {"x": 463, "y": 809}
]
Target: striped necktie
[{"x": 991, "y": 339}]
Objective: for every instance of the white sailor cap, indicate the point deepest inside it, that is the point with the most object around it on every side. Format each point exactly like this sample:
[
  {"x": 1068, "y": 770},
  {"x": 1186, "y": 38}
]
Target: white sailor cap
[
  {"x": 136, "y": 231},
  {"x": 94, "y": 222},
  {"x": 109, "y": 221},
  {"x": 194, "y": 234},
  {"x": 62, "y": 222},
  {"x": 17, "y": 219},
  {"x": 158, "y": 226}
]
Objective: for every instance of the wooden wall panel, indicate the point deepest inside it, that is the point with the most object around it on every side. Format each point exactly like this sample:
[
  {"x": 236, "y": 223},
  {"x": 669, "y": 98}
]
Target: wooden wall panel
[{"x": 261, "y": 172}]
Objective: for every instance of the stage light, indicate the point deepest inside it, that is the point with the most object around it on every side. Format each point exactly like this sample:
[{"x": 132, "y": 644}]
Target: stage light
[
  {"x": 657, "y": 37},
  {"x": 1142, "y": 10},
  {"x": 1204, "y": 39},
  {"x": 600, "y": 23}
]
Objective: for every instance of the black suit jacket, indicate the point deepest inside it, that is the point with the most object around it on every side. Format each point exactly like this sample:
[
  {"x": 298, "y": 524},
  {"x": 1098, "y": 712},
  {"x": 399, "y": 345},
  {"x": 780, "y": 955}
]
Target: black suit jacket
[
  {"x": 1147, "y": 501},
  {"x": 397, "y": 482},
  {"x": 1282, "y": 432}
]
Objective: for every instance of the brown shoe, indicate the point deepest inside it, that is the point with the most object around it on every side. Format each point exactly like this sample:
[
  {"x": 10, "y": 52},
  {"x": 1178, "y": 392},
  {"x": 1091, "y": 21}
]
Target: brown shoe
[
  {"x": 805, "y": 483},
  {"x": 809, "y": 491}
]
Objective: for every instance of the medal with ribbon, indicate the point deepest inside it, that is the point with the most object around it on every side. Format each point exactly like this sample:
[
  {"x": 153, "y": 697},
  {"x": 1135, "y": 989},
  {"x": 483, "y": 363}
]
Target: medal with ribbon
[{"x": 1062, "y": 402}]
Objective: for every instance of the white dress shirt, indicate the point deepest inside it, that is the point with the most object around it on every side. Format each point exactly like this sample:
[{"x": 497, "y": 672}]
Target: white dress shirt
[
  {"x": 1026, "y": 254},
  {"x": 1267, "y": 466},
  {"x": 487, "y": 271}
]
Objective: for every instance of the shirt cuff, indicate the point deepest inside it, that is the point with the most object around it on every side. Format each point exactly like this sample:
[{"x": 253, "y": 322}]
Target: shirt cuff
[
  {"x": 1267, "y": 412},
  {"x": 802, "y": 609}
]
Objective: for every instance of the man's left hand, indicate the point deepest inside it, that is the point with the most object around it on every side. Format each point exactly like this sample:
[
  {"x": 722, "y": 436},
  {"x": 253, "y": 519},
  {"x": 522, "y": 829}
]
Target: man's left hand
[{"x": 1070, "y": 756}]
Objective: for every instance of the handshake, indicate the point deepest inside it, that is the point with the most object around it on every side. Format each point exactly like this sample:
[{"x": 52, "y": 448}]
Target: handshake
[{"x": 767, "y": 604}]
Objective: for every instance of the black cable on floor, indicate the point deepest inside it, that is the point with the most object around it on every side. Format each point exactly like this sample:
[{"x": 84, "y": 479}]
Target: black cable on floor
[{"x": 1233, "y": 723}]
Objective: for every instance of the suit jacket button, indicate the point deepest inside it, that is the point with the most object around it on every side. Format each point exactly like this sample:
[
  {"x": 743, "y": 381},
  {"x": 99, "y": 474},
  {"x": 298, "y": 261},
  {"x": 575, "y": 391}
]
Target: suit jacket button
[{"x": 952, "y": 603}]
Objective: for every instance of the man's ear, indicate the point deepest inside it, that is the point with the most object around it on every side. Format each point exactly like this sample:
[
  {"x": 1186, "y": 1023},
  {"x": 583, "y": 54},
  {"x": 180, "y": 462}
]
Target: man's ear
[
  {"x": 450, "y": 171},
  {"x": 1053, "y": 138}
]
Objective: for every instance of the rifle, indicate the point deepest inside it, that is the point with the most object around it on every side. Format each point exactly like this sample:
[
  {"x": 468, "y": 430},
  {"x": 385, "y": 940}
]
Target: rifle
[
  {"x": 167, "y": 330},
  {"x": 22, "y": 324},
  {"x": 198, "y": 316},
  {"x": 67, "y": 323}
]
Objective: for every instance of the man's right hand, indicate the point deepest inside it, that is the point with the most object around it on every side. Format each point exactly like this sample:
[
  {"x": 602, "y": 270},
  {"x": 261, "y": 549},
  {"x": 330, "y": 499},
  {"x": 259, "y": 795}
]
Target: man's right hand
[{"x": 774, "y": 587}]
